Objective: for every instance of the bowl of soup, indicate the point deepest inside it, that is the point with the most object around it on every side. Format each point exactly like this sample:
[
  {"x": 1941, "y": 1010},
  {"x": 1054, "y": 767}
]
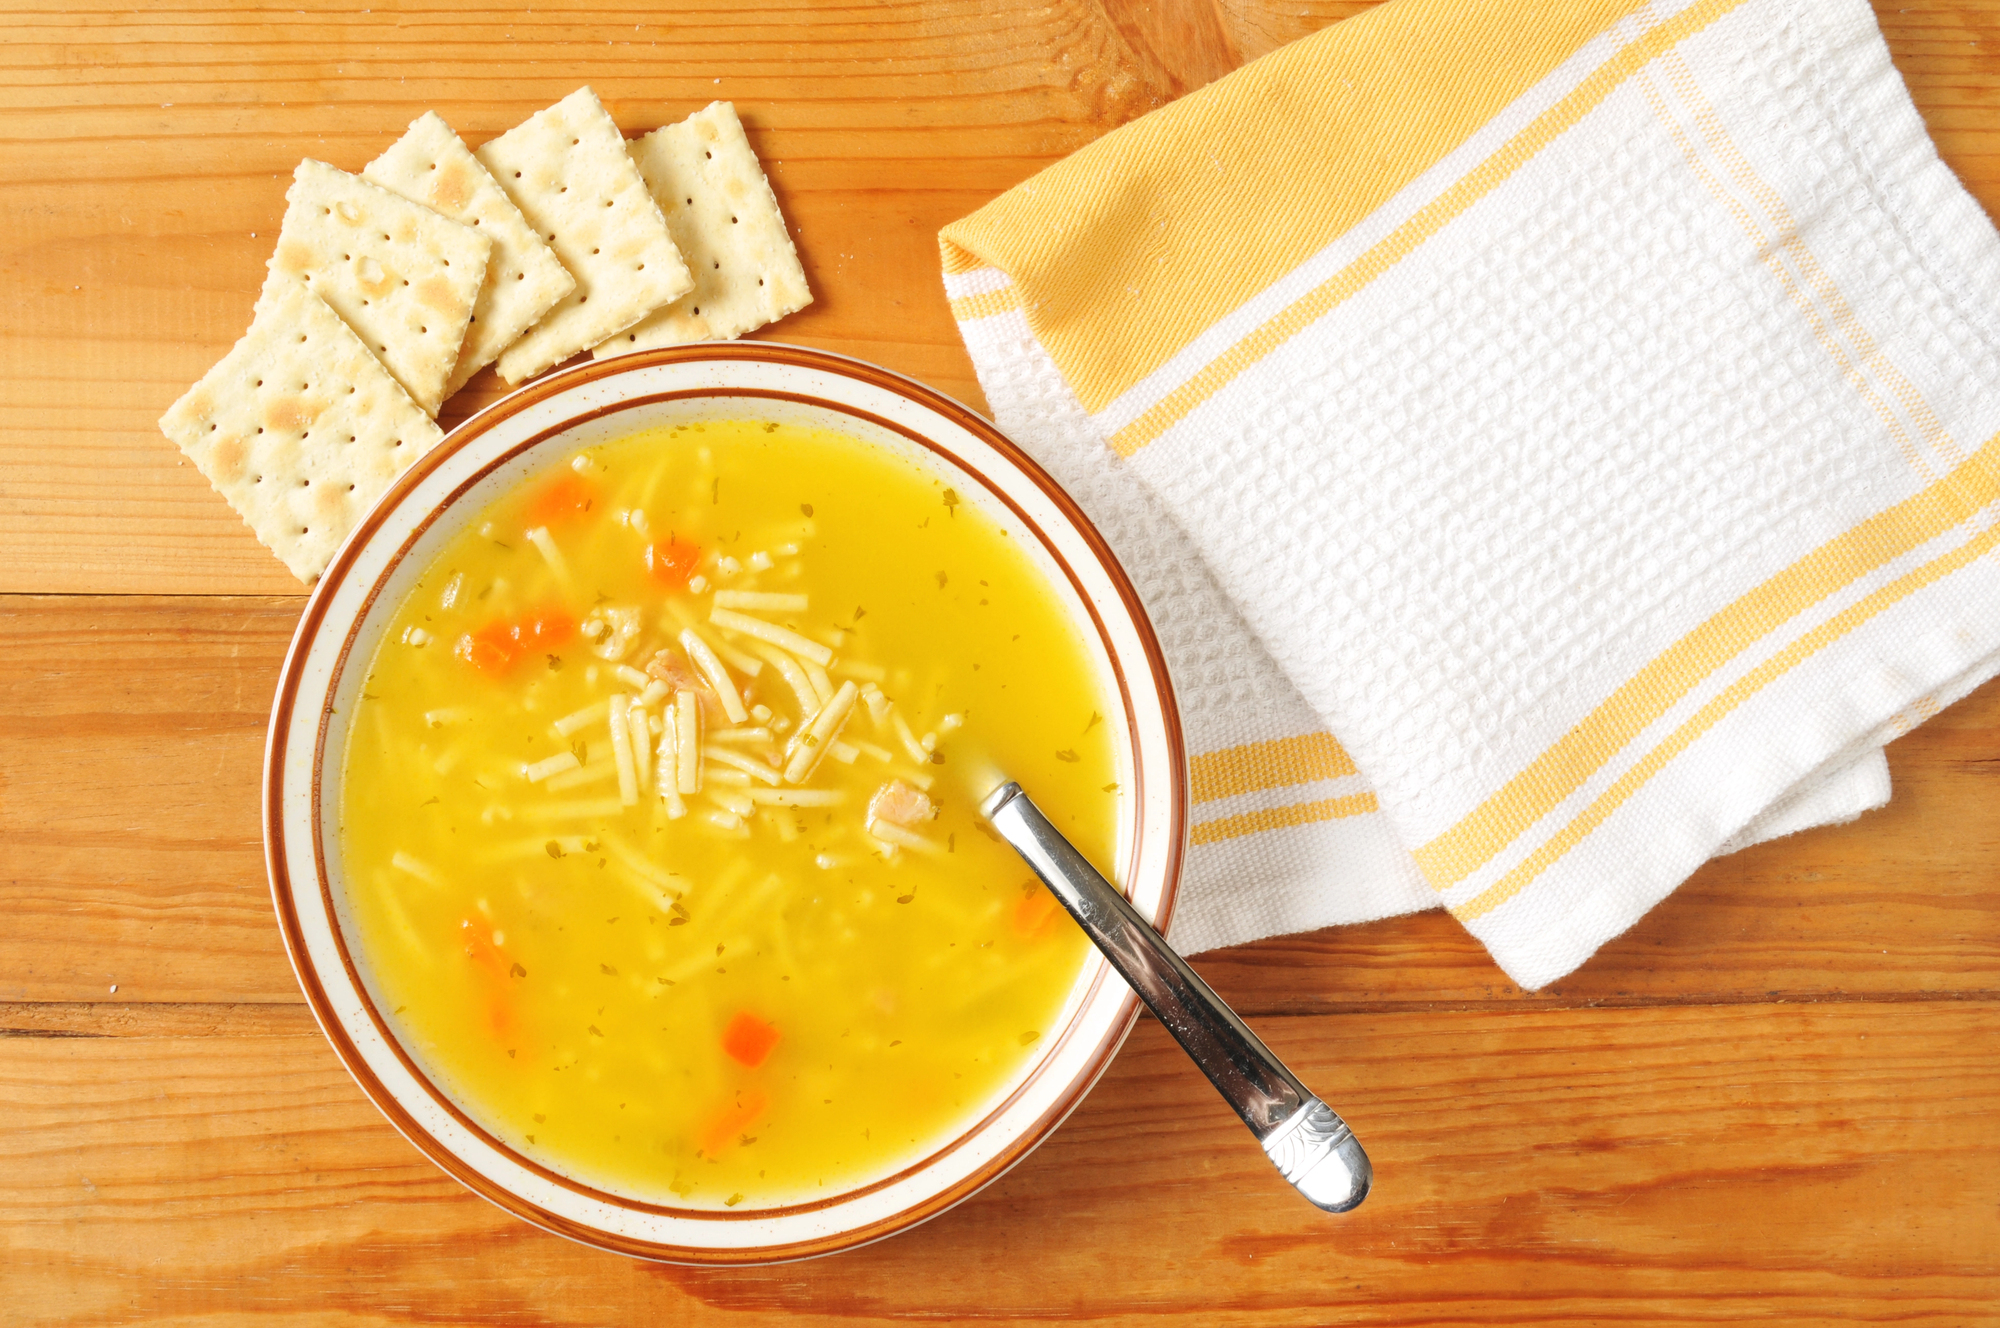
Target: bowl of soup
[{"x": 621, "y": 802}]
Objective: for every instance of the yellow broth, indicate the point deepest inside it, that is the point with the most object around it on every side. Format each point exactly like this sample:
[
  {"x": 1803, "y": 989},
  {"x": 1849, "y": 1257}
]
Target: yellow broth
[{"x": 742, "y": 1004}]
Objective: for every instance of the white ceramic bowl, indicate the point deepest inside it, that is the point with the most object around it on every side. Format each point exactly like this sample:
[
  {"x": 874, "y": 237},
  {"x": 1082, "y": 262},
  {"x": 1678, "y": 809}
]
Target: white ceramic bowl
[{"x": 483, "y": 458}]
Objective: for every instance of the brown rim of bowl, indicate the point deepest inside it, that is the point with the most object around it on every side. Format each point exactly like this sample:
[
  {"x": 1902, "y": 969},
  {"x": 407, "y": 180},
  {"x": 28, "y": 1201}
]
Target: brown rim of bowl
[{"x": 274, "y": 835}]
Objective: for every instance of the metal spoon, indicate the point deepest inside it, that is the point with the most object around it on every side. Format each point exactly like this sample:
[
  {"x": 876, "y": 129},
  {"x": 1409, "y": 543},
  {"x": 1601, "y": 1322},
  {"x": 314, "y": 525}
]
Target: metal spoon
[{"x": 1309, "y": 1144}]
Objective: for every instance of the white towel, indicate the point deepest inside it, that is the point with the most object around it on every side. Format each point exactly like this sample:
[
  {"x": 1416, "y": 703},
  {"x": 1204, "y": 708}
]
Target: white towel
[{"x": 1586, "y": 411}]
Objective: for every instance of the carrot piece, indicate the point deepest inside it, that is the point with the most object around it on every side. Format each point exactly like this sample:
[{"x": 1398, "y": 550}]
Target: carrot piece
[
  {"x": 727, "y": 1125},
  {"x": 673, "y": 561},
  {"x": 1034, "y": 913},
  {"x": 566, "y": 498},
  {"x": 749, "y": 1039},
  {"x": 494, "y": 968},
  {"x": 499, "y": 645}
]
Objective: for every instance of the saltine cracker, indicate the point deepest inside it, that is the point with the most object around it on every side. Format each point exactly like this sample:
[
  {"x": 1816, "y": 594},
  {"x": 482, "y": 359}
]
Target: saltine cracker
[
  {"x": 431, "y": 165},
  {"x": 403, "y": 277},
  {"x": 566, "y": 168},
  {"x": 300, "y": 427},
  {"x": 726, "y": 221}
]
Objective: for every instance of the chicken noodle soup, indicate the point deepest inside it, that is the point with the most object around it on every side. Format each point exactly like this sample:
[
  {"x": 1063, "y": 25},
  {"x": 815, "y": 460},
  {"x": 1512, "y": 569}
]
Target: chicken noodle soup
[{"x": 659, "y": 813}]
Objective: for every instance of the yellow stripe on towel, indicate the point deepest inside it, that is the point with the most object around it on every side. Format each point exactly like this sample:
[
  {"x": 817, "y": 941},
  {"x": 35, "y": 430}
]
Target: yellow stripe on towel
[
  {"x": 1275, "y": 818},
  {"x": 986, "y": 304},
  {"x": 1713, "y": 713},
  {"x": 1261, "y": 765},
  {"x": 1840, "y": 562},
  {"x": 1168, "y": 223},
  {"x": 1482, "y": 180}
]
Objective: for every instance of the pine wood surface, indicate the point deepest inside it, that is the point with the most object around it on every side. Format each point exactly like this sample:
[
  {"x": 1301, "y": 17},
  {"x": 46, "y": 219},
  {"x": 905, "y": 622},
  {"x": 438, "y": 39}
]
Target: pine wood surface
[{"x": 1774, "y": 1100}]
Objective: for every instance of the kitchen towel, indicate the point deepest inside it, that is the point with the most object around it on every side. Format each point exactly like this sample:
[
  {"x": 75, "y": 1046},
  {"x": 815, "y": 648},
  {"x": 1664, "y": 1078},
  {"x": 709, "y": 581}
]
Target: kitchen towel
[{"x": 1555, "y": 440}]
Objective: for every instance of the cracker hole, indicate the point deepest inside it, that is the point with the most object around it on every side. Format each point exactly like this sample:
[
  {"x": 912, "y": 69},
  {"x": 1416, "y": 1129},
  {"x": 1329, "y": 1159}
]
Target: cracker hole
[
  {"x": 716, "y": 266},
  {"x": 350, "y": 488},
  {"x": 258, "y": 480},
  {"x": 732, "y": 221},
  {"x": 258, "y": 383},
  {"x": 607, "y": 202},
  {"x": 260, "y": 428},
  {"x": 697, "y": 308},
  {"x": 563, "y": 190},
  {"x": 327, "y": 211},
  {"x": 517, "y": 175},
  {"x": 386, "y": 236},
  {"x": 575, "y": 142},
  {"x": 597, "y": 251},
  {"x": 760, "y": 281},
  {"x": 690, "y": 202},
  {"x": 475, "y": 221},
  {"x": 709, "y": 155},
  {"x": 434, "y": 166}
]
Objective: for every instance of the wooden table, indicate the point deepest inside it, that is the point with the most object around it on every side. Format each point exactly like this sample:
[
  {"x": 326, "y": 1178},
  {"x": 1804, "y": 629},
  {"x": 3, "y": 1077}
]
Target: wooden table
[{"x": 1773, "y": 1100}]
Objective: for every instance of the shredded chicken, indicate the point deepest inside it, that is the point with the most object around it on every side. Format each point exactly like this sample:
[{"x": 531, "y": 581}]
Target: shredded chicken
[
  {"x": 676, "y": 672},
  {"x": 899, "y": 804},
  {"x": 611, "y": 631}
]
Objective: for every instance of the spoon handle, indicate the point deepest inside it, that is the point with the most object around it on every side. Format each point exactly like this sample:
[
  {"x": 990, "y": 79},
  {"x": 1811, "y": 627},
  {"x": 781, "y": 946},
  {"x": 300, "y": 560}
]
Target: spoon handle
[{"x": 1310, "y": 1145}]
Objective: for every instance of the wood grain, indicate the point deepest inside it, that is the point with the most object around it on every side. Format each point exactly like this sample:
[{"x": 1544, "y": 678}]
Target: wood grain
[
  {"x": 147, "y": 152},
  {"x": 1774, "y": 1100},
  {"x": 164, "y": 894},
  {"x": 1598, "y": 1167}
]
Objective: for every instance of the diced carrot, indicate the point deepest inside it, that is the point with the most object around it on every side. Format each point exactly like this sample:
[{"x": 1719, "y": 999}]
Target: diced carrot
[
  {"x": 477, "y": 938},
  {"x": 749, "y": 1039},
  {"x": 498, "y": 646},
  {"x": 1034, "y": 913},
  {"x": 566, "y": 498},
  {"x": 673, "y": 561},
  {"x": 494, "y": 968},
  {"x": 728, "y": 1125}
]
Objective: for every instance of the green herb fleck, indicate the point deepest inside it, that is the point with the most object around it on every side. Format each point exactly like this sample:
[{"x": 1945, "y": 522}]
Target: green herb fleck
[
  {"x": 555, "y": 849},
  {"x": 1068, "y": 754}
]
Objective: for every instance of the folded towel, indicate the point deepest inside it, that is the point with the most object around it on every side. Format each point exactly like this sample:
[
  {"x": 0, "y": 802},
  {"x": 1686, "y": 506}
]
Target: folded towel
[{"x": 1584, "y": 409}]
